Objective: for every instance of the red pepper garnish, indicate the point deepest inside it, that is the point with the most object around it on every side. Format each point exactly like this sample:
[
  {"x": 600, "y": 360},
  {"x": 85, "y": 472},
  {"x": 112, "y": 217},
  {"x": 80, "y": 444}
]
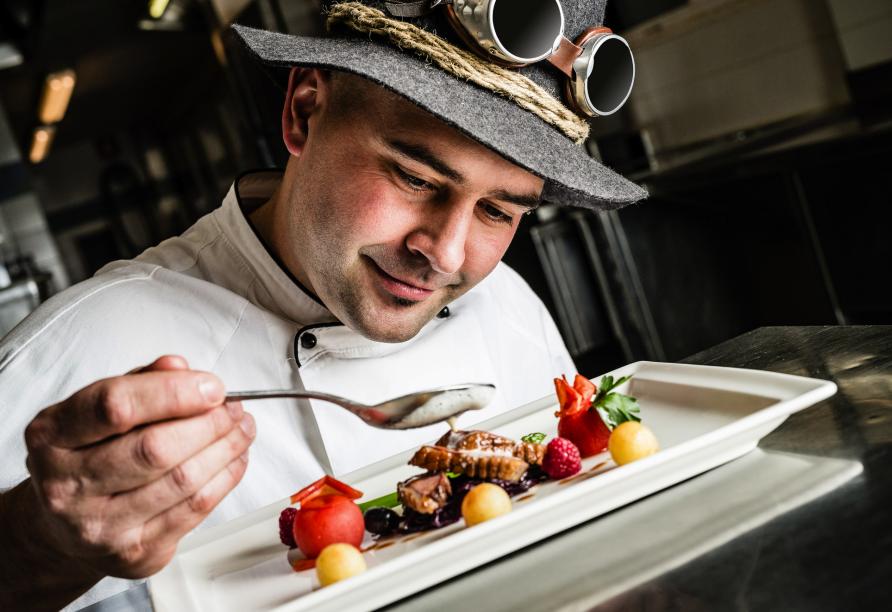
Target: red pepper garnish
[
  {"x": 302, "y": 565},
  {"x": 326, "y": 485},
  {"x": 575, "y": 398}
]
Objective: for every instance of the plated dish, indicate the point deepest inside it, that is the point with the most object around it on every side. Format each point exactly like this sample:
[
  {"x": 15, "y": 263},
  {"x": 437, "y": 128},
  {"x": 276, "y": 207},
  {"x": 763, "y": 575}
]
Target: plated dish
[{"x": 703, "y": 417}]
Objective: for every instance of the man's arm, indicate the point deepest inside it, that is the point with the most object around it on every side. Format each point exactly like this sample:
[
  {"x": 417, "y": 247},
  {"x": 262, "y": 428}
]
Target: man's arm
[
  {"x": 120, "y": 472},
  {"x": 34, "y": 577}
]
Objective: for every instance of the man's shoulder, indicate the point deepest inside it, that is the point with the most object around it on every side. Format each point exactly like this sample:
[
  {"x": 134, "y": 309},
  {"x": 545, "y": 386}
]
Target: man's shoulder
[{"x": 132, "y": 301}]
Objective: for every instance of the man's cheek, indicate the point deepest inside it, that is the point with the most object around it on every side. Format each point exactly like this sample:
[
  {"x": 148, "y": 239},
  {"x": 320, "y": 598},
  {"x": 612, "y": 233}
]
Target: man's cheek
[
  {"x": 484, "y": 253},
  {"x": 380, "y": 215},
  {"x": 477, "y": 267}
]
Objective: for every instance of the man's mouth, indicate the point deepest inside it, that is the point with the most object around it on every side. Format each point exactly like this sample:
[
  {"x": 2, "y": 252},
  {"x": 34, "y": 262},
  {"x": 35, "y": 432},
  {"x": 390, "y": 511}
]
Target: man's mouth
[{"x": 401, "y": 288}]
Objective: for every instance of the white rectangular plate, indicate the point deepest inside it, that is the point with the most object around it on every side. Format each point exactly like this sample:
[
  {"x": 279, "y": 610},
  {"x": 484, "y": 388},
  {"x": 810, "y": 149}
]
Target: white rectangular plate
[{"x": 703, "y": 417}]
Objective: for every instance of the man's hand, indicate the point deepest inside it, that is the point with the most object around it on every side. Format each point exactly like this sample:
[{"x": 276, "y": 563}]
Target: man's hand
[{"x": 125, "y": 467}]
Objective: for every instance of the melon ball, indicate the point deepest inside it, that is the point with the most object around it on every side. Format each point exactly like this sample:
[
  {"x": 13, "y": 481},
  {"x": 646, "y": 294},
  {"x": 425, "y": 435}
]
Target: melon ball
[
  {"x": 631, "y": 441},
  {"x": 484, "y": 502},
  {"x": 337, "y": 562}
]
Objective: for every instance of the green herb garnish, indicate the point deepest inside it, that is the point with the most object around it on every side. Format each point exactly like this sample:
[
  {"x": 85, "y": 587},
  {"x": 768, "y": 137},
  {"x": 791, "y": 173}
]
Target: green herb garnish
[
  {"x": 387, "y": 501},
  {"x": 615, "y": 408},
  {"x": 533, "y": 438}
]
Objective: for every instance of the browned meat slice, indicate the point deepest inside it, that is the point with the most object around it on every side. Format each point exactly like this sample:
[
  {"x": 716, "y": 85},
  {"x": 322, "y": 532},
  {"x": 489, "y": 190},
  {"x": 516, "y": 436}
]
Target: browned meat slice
[
  {"x": 475, "y": 465},
  {"x": 486, "y": 442},
  {"x": 425, "y": 493}
]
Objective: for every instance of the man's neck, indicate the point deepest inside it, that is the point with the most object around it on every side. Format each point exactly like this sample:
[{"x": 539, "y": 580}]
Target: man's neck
[{"x": 262, "y": 220}]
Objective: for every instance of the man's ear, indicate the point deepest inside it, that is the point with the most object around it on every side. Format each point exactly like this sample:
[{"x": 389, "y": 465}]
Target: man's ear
[{"x": 307, "y": 89}]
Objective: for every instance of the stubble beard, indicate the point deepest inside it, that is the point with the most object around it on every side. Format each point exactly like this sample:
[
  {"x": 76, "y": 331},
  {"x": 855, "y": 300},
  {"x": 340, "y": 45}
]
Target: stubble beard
[
  {"x": 362, "y": 314},
  {"x": 344, "y": 284}
]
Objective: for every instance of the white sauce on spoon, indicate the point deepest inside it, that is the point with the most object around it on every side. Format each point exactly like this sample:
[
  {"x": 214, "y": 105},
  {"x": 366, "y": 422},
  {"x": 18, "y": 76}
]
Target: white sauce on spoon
[{"x": 448, "y": 406}]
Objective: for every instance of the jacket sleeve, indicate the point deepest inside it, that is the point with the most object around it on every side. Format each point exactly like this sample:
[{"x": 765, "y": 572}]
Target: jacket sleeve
[{"x": 103, "y": 327}]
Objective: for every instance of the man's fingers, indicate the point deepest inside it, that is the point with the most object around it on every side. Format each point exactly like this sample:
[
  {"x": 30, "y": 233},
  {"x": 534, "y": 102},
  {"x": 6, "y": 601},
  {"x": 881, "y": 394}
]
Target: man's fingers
[
  {"x": 189, "y": 477},
  {"x": 147, "y": 453},
  {"x": 165, "y": 362},
  {"x": 183, "y": 517},
  {"x": 116, "y": 405}
]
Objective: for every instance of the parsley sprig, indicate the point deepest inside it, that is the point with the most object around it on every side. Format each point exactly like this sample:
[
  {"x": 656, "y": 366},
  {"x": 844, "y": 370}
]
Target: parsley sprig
[
  {"x": 535, "y": 438},
  {"x": 614, "y": 407}
]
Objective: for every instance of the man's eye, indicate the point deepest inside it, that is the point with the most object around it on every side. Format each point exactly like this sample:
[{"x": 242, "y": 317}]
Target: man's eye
[
  {"x": 497, "y": 215},
  {"x": 413, "y": 182}
]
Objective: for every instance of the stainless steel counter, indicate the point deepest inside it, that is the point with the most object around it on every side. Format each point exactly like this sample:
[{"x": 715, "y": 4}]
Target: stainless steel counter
[{"x": 802, "y": 523}]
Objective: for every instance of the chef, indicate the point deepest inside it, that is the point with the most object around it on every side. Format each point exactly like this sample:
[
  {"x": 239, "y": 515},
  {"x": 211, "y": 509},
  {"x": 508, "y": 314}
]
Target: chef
[{"x": 369, "y": 267}]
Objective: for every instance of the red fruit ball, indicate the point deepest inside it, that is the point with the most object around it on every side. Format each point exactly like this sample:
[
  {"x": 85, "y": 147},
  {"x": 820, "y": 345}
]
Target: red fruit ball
[
  {"x": 286, "y": 527},
  {"x": 327, "y": 519},
  {"x": 561, "y": 459},
  {"x": 586, "y": 430}
]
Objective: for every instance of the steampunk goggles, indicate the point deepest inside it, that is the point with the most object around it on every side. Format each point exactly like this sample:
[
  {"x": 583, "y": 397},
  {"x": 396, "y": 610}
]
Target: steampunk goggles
[{"x": 515, "y": 33}]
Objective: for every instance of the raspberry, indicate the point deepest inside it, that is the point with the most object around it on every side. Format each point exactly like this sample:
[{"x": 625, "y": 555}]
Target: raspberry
[
  {"x": 561, "y": 459},
  {"x": 286, "y": 527}
]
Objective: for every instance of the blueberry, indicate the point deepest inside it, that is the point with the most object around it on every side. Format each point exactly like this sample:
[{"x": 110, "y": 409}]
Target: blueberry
[{"x": 381, "y": 521}]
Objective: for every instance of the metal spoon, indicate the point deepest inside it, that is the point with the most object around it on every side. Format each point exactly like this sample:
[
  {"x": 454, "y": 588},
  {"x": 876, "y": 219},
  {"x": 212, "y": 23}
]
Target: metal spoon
[{"x": 412, "y": 410}]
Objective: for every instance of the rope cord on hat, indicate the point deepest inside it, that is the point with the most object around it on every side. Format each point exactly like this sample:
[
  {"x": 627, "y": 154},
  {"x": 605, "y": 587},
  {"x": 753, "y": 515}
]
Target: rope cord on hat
[{"x": 463, "y": 64}]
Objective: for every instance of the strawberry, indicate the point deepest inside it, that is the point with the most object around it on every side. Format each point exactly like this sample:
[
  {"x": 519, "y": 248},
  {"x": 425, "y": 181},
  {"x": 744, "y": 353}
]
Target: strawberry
[
  {"x": 586, "y": 430},
  {"x": 561, "y": 459},
  {"x": 579, "y": 421}
]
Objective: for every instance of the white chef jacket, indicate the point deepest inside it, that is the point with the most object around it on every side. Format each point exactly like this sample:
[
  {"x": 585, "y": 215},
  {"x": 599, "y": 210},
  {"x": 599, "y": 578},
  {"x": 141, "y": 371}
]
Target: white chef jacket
[{"x": 216, "y": 296}]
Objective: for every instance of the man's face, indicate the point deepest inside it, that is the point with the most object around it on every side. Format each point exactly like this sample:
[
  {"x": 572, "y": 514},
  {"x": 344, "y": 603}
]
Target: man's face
[{"x": 392, "y": 214}]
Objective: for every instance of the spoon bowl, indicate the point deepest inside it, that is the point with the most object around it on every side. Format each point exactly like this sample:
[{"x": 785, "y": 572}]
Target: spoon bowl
[{"x": 417, "y": 409}]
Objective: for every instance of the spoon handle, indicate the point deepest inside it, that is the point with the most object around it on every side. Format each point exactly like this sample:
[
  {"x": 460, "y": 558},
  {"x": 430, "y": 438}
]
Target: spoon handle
[{"x": 236, "y": 396}]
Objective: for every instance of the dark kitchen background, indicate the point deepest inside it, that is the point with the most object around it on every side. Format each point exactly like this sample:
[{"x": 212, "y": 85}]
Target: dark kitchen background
[{"x": 760, "y": 127}]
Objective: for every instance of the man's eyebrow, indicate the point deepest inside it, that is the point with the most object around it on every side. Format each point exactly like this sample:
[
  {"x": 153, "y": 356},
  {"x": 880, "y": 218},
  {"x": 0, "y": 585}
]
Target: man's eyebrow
[
  {"x": 422, "y": 154},
  {"x": 529, "y": 201}
]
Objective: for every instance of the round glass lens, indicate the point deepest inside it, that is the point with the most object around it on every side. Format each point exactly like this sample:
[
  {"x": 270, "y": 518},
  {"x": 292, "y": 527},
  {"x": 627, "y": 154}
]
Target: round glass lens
[
  {"x": 526, "y": 28},
  {"x": 610, "y": 81}
]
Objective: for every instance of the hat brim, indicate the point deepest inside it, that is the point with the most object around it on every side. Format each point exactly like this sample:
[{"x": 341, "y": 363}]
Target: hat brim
[{"x": 571, "y": 176}]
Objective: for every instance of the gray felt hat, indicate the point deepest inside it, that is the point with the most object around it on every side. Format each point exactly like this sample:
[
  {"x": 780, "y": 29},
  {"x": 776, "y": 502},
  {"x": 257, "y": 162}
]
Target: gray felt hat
[{"x": 571, "y": 176}]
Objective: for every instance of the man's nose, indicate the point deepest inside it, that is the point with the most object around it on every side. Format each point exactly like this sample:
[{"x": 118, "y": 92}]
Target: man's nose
[{"x": 442, "y": 237}]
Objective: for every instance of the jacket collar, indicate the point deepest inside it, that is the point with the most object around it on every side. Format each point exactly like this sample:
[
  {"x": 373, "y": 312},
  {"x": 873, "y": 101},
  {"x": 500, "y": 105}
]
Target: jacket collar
[{"x": 274, "y": 288}]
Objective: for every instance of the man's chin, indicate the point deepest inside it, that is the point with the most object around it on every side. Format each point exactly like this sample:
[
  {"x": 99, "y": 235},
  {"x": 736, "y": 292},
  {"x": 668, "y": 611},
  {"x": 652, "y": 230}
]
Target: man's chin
[
  {"x": 390, "y": 336},
  {"x": 388, "y": 326},
  {"x": 380, "y": 316}
]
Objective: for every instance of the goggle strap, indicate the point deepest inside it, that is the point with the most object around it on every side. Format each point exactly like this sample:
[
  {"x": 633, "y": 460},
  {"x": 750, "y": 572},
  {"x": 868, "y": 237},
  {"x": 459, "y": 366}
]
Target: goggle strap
[
  {"x": 569, "y": 51},
  {"x": 590, "y": 33},
  {"x": 564, "y": 57}
]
